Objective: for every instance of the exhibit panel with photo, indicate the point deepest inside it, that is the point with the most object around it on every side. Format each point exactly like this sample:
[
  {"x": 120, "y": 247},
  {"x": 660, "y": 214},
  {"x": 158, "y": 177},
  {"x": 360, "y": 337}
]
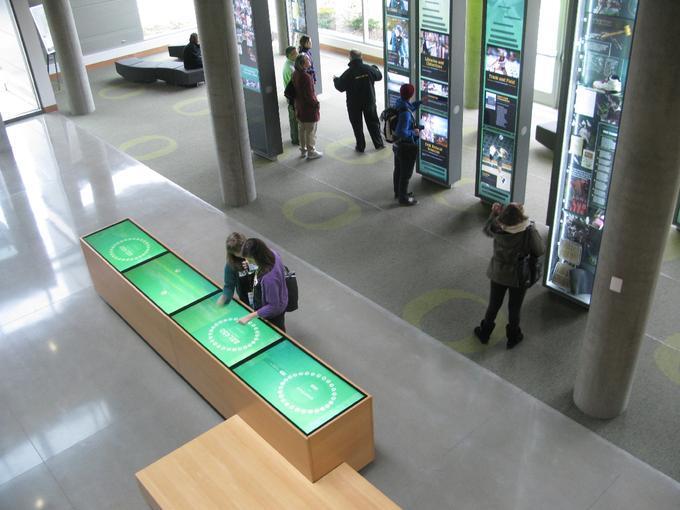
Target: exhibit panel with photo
[
  {"x": 397, "y": 47},
  {"x": 603, "y": 41}
]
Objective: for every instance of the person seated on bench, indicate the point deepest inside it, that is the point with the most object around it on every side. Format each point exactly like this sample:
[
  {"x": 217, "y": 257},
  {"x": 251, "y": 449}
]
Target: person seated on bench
[{"x": 192, "y": 53}]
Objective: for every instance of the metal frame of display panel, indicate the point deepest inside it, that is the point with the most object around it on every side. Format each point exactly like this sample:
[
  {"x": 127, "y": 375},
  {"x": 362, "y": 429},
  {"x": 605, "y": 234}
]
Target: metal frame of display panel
[
  {"x": 586, "y": 134},
  {"x": 258, "y": 76},
  {"x": 441, "y": 29},
  {"x": 295, "y": 29},
  {"x": 396, "y": 75},
  {"x": 504, "y": 136},
  {"x": 676, "y": 216}
]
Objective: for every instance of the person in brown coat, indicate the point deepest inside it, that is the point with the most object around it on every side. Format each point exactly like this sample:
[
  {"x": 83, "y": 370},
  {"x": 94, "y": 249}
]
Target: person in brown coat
[{"x": 306, "y": 108}]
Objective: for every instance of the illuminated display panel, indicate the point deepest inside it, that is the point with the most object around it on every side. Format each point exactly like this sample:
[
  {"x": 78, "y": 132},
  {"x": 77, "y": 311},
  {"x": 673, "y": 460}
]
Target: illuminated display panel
[
  {"x": 217, "y": 329},
  {"x": 169, "y": 282},
  {"x": 298, "y": 386},
  {"x": 124, "y": 245}
]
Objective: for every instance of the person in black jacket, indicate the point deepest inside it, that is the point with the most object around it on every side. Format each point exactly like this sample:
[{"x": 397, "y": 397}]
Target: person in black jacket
[
  {"x": 357, "y": 82},
  {"x": 192, "y": 53}
]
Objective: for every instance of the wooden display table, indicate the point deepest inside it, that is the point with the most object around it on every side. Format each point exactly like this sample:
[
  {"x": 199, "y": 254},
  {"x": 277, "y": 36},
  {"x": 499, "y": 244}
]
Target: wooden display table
[
  {"x": 316, "y": 418},
  {"x": 231, "y": 466}
]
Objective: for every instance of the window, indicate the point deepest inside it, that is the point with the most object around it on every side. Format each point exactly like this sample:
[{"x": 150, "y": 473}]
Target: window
[
  {"x": 344, "y": 17},
  {"x": 160, "y": 17}
]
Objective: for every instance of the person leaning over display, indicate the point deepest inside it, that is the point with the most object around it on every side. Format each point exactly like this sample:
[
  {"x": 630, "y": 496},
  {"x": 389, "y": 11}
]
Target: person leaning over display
[
  {"x": 270, "y": 293},
  {"x": 192, "y": 53},
  {"x": 306, "y": 108},
  {"x": 288, "y": 70},
  {"x": 509, "y": 228},
  {"x": 238, "y": 274},
  {"x": 405, "y": 148},
  {"x": 358, "y": 83}
]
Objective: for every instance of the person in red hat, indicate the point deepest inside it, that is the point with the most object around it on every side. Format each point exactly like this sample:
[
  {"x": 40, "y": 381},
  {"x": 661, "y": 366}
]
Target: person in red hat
[{"x": 407, "y": 134}]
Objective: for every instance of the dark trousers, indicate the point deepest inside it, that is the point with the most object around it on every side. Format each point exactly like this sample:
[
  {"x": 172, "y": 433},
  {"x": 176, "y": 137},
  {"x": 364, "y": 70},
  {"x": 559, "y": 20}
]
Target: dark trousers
[
  {"x": 370, "y": 115},
  {"x": 404, "y": 161},
  {"x": 279, "y": 321},
  {"x": 496, "y": 301},
  {"x": 292, "y": 120}
]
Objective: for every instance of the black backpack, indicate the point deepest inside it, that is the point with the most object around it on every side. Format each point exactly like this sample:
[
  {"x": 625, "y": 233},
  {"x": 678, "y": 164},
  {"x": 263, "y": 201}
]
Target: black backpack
[
  {"x": 292, "y": 286},
  {"x": 388, "y": 121},
  {"x": 289, "y": 92}
]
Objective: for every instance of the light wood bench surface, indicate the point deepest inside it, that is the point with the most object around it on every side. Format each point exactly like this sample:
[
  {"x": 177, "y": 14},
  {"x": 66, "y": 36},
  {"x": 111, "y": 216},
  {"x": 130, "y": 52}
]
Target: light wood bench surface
[{"x": 231, "y": 466}]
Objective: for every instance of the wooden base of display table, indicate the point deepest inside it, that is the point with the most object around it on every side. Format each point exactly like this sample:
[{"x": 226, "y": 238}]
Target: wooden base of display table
[
  {"x": 346, "y": 438},
  {"x": 231, "y": 466}
]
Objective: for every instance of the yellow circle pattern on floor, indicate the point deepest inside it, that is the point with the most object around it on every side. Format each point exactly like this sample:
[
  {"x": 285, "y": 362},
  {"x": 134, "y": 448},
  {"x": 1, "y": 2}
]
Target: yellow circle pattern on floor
[
  {"x": 416, "y": 310},
  {"x": 440, "y": 197},
  {"x": 180, "y": 106},
  {"x": 667, "y": 358},
  {"x": 352, "y": 213},
  {"x": 170, "y": 146},
  {"x": 117, "y": 92},
  {"x": 339, "y": 150}
]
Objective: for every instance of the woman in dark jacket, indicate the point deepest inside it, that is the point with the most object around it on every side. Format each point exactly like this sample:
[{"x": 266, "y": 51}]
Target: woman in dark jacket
[
  {"x": 306, "y": 49},
  {"x": 513, "y": 235},
  {"x": 306, "y": 108},
  {"x": 270, "y": 293}
]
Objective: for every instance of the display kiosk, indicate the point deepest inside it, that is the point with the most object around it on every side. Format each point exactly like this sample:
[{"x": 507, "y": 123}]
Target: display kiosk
[
  {"x": 588, "y": 127},
  {"x": 676, "y": 216},
  {"x": 399, "y": 26},
  {"x": 509, "y": 38},
  {"x": 441, "y": 70},
  {"x": 301, "y": 19},
  {"x": 312, "y": 415},
  {"x": 256, "y": 59}
]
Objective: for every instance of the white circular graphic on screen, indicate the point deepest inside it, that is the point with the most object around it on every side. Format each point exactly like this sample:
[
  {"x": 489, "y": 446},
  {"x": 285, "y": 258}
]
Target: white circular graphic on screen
[
  {"x": 121, "y": 252},
  {"x": 308, "y": 388},
  {"x": 222, "y": 339}
]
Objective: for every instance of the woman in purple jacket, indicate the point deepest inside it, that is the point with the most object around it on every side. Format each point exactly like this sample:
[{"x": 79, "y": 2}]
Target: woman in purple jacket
[{"x": 270, "y": 294}]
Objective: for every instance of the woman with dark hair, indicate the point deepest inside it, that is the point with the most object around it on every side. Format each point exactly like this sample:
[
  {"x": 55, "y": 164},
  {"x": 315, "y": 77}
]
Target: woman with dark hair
[
  {"x": 270, "y": 294},
  {"x": 238, "y": 274},
  {"x": 513, "y": 234},
  {"x": 307, "y": 108},
  {"x": 306, "y": 49}
]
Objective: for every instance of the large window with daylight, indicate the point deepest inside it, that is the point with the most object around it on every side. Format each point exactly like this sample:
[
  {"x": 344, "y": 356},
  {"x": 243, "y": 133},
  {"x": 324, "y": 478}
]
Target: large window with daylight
[
  {"x": 160, "y": 17},
  {"x": 359, "y": 20}
]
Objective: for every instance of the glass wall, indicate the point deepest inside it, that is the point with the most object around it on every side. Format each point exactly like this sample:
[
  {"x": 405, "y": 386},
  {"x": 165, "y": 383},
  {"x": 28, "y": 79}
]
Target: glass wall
[
  {"x": 17, "y": 91},
  {"x": 359, "y": 20},
  {"x": 160, "y": 17}
]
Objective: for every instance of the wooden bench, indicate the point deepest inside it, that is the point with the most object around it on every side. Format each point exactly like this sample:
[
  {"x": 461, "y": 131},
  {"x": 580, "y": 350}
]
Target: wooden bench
[{"x": 231, "y": 466}]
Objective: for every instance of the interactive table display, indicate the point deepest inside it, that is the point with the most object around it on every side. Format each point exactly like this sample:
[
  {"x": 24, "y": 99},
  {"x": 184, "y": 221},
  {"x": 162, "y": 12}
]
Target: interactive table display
[
  {"x": 169, "y": 282},
  {"x": 124, "y": 245},
  {"x": 298, "y": 386},
  {"x": 218, "y": 330}
]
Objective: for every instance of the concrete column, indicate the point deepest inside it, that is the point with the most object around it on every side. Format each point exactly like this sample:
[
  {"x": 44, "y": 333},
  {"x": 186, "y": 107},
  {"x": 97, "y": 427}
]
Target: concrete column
[
  {"x": 473, "y": 52},
  {"x": 282, "y": 26},
  {"x": 644, "y": 187},
  {"x": 217, "y": 33},
  {"x": 70, "y": 55}
]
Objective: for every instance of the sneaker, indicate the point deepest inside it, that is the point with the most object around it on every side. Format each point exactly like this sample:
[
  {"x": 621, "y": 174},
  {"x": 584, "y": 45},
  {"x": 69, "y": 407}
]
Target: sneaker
[
  {"x": 611, "y": 84},
  {"x": 314, "y": 154},
  {"x": 380, "y": 147},
  {"x": 303, "y": 154},
  {"x": 409, "y": 194},
  {"x": 357, "y": 149},
  {"x": 408, "y": 202}
]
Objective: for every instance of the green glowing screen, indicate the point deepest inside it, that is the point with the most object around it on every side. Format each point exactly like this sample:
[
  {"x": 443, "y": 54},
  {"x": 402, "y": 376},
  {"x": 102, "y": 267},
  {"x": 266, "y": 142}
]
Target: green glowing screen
[
  {"x": 301, "y": 388},
  {"x": 124, "y": 245},
  {"x": 217, "y": 329},
  {"x": 169, "y": 282}
]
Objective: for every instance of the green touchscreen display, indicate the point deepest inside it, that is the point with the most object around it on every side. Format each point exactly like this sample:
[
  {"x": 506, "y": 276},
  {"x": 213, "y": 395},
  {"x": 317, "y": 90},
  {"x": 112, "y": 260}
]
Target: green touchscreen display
[
  {"x": 217, "y": 329},
  {"x": 300, "y": 387},
  {"x": 124, "y": 245},
  {"x": 169, "y": 282}
]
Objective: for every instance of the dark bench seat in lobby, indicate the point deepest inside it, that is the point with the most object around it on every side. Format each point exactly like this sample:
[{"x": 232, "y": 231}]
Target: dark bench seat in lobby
[{"x": 170, "y": 71}]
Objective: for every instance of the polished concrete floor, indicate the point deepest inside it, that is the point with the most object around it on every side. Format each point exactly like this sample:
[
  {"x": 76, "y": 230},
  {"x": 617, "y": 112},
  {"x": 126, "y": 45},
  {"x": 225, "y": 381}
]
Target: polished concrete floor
[
  {"x": 425, "y": 264},
  {"x": 85, "y": 403}
]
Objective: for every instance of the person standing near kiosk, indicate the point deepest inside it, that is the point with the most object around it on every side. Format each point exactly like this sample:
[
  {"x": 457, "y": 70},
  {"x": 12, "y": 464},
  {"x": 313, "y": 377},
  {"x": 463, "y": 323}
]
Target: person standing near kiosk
[{"x": 358, "y": 83}]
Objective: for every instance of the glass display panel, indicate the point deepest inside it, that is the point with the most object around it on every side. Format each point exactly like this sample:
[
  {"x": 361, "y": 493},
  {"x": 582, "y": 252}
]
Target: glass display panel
[
  {"x": 169, "y": 282},
  {"x": 298, "y": 386},
  {"x": 603, "y": 41},
  {"x": 217, "y": 329},
  {"x": 502, "y": 61},
  {"x": 397, "y": 44},
  {"x": 676, "y": 218},
  {"x": 124, "y": 245},
  {"x": 297, "y": 21}
]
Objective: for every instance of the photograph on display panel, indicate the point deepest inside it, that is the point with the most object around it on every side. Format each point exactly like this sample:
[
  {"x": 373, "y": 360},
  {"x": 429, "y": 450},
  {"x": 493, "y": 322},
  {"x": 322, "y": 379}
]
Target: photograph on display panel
[
  {"x": 397, "y": 7},
  {"x": 621, "y": 8},
  {"x": 502, "y": 68},
  {"x": 497, "y": 160},
  {"x": 394, "y": 82},
  {"x": 397, "y": 42},
  {"x": 434, "y": 148},
  {"x": 434, "y": 57},
  {"x": 297, "y": 22},
  {"x": 245, "y": 38},
  {"x": 500, "y": 111},
  {"x": 435, "y": 95}
]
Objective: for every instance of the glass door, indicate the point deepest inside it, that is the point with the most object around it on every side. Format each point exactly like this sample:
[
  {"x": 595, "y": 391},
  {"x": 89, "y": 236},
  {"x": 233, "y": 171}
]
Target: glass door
[
  {"x": 18, "y": 96},
  {"x": 551, "y": 33}
]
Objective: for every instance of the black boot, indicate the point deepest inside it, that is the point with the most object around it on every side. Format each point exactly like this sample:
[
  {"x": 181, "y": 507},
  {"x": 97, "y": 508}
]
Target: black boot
[
  {"x": 514, "y": 335},
  {"x": 484, "y": 330}
]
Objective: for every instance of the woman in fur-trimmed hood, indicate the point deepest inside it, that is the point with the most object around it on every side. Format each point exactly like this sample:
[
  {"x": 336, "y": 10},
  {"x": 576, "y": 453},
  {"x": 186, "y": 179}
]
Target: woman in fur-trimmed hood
[{"x": 513, "y": 236}]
